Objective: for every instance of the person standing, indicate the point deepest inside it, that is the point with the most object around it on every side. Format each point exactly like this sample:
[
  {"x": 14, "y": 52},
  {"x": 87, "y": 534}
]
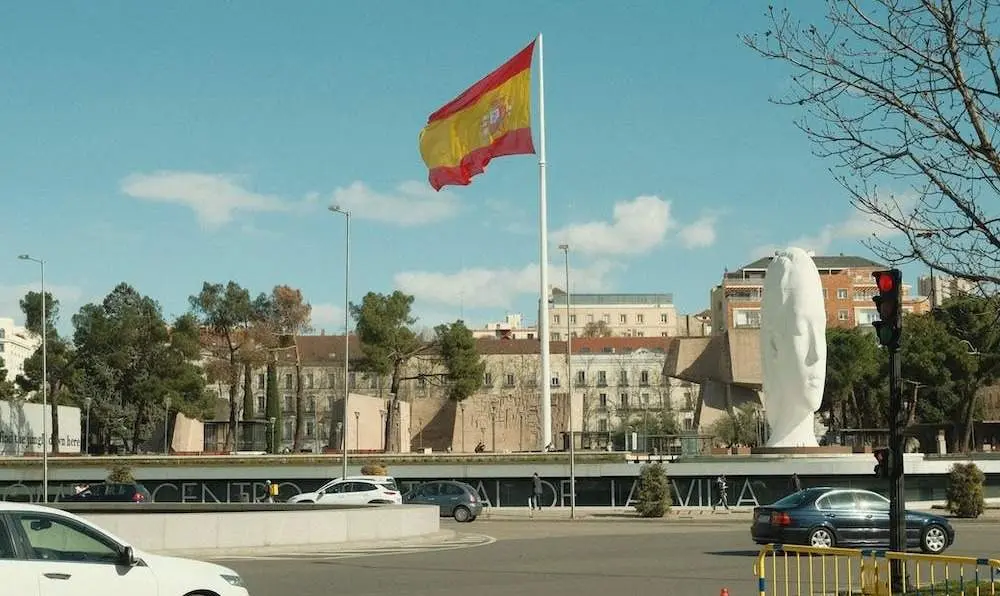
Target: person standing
[
  {"x": 536, "y": 492},
  {"x": 722, "y": 487},
  {"x": 795, "y": 483}
]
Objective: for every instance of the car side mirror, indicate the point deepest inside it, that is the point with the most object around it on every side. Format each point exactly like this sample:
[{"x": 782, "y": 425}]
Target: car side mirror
[{"x": 128, "y": 557}]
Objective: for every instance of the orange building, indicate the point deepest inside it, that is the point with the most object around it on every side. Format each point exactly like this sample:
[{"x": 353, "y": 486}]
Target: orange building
[{"x": 848, "y": 287}]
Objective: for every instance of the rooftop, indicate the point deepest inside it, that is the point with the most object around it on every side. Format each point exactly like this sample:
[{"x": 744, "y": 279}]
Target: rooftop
[
  {"x": 559, "y": 297},
  {"x": 822, "y": 263}
]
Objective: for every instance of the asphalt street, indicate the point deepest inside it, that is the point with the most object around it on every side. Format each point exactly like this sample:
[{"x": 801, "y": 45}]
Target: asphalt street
[{"x": 539, "y": 558}]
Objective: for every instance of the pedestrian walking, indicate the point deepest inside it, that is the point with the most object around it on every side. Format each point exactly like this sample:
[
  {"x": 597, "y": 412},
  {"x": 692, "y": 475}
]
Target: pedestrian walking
[
  {"x": 536, "y": 492},
  {"x": 796, "y": 484},
  {"x": 722, "y": 487}
]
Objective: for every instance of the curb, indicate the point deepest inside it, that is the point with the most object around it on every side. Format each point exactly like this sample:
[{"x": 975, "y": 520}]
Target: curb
[{"x": 440, "y": 536}]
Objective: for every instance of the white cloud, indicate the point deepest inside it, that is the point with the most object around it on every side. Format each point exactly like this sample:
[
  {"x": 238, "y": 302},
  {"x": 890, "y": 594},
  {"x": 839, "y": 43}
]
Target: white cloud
[
  {"x": 638, "y": 226},
  {"x": 497, "y": 288},
  {"x": 411, "y": 204},
  {"x": 214, "y": 198},
  {"x": 328, "y": 316},
  {"x": 700, "y": 234}
]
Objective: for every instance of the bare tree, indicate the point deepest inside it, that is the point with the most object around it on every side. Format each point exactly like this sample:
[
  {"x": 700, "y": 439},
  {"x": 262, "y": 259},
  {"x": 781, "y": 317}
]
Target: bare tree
[{"x": 905, "y": 90}]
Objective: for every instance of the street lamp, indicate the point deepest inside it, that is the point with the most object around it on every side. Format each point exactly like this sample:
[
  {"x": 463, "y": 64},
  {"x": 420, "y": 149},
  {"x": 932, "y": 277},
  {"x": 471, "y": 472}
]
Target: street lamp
[
  {"x": 273, "y": 420},
  {"x": 347, "y": 320},
  {"x": 166, "y": 425},
  {"x": 569, "y": 373},
  {"x": 381, "y": 418},
  {"x": 86, "y": 441},
  {"x": 45, "y": 385},
  {"x": 357, "y": 432}
]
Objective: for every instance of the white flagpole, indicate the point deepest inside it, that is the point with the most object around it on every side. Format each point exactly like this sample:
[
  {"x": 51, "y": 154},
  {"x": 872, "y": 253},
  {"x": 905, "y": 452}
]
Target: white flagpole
[{"x": 543, "y": 266}]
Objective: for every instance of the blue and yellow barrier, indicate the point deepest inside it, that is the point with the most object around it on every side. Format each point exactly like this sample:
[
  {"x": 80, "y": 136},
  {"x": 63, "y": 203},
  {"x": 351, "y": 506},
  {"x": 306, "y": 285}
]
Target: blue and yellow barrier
[{"x": 791, "y": 570}]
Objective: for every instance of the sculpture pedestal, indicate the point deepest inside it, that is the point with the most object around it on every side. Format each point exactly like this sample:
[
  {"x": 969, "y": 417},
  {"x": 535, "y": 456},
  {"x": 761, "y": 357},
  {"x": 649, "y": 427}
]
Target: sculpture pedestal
[{"x": 825, "y": 450}]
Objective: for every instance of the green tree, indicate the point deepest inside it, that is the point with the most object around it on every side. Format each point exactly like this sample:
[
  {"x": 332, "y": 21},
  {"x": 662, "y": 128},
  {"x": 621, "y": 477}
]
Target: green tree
[
  {"x": 388, "y": 342},
  {"x": 738, "y": 427},
  {"x": 466, "y": 368},
  {"x": 286, "y": 316},
  {"x": 654, "y": 499},
  {"x": 228, "y": 313},
  {"x": 130, "y": 363},
  {"x": 8, "y": 390},
  {"x": 855, "y": 369},
  {"x": 965, "y": 491},
  {"x": 59, "y": 357}
]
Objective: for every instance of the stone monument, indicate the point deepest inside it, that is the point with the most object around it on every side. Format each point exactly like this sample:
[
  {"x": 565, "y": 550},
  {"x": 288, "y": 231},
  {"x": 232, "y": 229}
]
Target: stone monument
[{"x": 793, "y": 348}]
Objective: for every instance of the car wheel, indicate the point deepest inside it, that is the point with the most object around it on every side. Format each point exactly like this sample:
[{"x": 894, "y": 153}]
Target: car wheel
[
  {"x": 933, "y": 540},
  {"x": 822, "y": 538},
  {"x": 462, "y": 514}
]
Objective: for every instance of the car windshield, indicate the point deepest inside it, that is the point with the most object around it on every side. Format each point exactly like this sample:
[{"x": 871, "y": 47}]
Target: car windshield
[{"x": 792, "y": 500}]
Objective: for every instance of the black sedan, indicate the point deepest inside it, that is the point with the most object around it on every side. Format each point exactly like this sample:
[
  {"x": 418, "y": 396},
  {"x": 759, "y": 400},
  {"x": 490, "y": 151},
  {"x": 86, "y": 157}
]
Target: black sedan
[{"x": 828, "y": 517}]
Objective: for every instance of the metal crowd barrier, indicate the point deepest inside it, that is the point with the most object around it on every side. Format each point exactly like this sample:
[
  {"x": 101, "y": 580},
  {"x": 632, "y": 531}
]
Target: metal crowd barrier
[{"x": 791, "y": 570}]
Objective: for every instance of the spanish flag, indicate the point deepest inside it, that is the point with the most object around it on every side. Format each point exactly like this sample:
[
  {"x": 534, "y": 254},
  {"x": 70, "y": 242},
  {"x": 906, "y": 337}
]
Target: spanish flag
[{"x": 489, "y": 119}]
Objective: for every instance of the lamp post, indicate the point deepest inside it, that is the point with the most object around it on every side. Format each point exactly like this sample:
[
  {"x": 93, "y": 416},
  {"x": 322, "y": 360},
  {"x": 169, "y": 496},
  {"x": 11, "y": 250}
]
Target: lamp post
[
  {"x": 273, "y": 421},
  {"x": 569, "y": 374},
  {"x": 493, "y": 420},
  {"x": 347, "y": 321},
  {"x": 86, "y": 440},
  {"x": 166, "y": 426},
  {"x": 45, "y": 385},
  {"x": 381, "y": 418},
  {"x": 461, "y": 407},
  {"x": 357, "y": 432}
]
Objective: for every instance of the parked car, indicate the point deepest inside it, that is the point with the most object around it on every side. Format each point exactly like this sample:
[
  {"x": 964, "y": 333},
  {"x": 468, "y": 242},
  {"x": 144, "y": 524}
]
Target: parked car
[
  {"x": 827, "y": 517},
  {"x": 354, "y": 490},
  {"x": 111, "y": 492},
  {"x": 456, "y": 499},
  {"x": 45, "y": 551}
]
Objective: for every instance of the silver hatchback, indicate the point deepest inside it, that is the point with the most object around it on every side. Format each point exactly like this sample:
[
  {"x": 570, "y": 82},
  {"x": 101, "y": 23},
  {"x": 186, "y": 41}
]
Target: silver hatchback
[{"x": 455, "y": 499}]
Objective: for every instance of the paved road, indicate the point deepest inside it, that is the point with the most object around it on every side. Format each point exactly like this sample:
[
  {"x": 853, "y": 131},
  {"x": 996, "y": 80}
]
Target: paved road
[{"x": 539, "y": 558}]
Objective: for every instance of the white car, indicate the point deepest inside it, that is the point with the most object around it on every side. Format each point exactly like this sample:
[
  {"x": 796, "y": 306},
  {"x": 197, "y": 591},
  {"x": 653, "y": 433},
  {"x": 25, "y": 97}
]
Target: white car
[
  {"x": 49, "y": 552},
  {"x": 354, "y": 490}
]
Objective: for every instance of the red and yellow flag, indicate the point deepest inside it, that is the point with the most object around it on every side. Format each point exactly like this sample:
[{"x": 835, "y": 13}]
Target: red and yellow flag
[{"x": 489, "y": 119}]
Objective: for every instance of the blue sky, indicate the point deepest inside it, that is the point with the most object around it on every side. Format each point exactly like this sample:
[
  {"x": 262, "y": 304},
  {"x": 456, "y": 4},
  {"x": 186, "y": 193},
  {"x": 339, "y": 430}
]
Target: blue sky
[{"x": 166, "y": 144}]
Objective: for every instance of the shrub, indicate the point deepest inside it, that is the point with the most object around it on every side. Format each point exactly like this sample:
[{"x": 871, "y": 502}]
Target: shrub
[
  {"x": 654, "y": 494},
  {"x": 374, "y": 469},
  {"x": 965, "y": 490},
  {"x": 121, "y": 473}
]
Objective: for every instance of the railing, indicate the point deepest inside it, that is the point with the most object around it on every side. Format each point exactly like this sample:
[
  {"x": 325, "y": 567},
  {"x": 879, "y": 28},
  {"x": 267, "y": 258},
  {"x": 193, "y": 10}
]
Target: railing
[{"x": 796, "y": 570}]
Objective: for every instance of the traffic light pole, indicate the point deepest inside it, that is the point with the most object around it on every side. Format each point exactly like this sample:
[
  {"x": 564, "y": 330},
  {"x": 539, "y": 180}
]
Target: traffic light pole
[{"x": 897, "y": 504}]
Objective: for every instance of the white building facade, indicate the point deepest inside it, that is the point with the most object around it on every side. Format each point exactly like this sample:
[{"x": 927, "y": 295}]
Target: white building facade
[{"x": 17, "y": 344}]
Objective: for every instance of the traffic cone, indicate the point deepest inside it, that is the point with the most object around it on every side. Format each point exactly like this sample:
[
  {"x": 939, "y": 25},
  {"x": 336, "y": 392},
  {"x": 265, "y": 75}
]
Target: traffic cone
[{"x": 724, "y": 592}]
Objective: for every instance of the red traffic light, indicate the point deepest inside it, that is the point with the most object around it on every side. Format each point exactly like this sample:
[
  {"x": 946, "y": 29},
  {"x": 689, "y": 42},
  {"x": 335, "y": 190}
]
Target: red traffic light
[{"x": 885, "y": 282}]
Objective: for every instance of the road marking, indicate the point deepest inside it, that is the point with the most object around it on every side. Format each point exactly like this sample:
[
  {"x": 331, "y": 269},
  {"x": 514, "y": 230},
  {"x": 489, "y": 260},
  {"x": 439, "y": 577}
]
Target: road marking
[{"x": 458, "y": 542}]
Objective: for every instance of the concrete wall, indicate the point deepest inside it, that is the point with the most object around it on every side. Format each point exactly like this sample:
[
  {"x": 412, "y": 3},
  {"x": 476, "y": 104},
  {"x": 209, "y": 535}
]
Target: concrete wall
[{"x": 164, "y": 532}]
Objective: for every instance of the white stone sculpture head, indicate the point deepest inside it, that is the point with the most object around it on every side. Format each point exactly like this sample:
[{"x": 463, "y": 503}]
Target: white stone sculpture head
[{"x": 793, "y": 347}]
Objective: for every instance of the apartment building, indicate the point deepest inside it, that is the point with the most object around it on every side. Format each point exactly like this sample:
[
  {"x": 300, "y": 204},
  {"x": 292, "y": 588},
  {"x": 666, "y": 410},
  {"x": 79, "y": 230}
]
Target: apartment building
[
  {"x": 512, "y": 327},
  {"x": 848, "y": 288},
  {"x": 620, "y": 315},
  {"x": 939, "y": 288},
  {"x": 17, "y": 344}
]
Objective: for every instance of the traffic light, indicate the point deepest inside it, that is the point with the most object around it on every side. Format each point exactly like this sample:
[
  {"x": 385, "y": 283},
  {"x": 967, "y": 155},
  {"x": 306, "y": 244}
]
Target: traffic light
[
  {"x": 883, "y": 463},
  {"x": 889, "y": 303}
]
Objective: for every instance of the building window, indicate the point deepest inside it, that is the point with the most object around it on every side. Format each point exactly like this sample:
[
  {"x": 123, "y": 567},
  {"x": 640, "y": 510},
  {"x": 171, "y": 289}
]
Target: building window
[
  {"x": 603, "y": 401},
  {"x": 623, "y": 378},
  {"x": 581, "y": 378},
  {"x": 842, "y": 315},
  {"x": 606, "y": 318},
  {"x": 640, "y": 334},
  {"x": 310, "y": 429},
  {"x": 624, "y": 400},
  {"x": 602, "y": 425},
  {"x": 331, "y": 380},
  {"x": 572, "y": 319},
  {"x": 555, "y": 381},
  {"x": 842, "y": 294},
  {"x": 289, "y": 428},
  {"x": 623, "y": 319},
  {"x": 309, "y": 381},
  {"x": 663, "y": 318},
  {"x": 640, "y": 318},
  {"x": 865, "y": 316},
  {"x": 602, "y": 378},
  {"x": 488, "y": 379},
  {"x": 590, "y": 318},
  {"x": 555, "y": 337},
  {"x": 555, "y": 319},
  {"x": 509, "y": 379},
  {"x": 3, "y": 333},
  {"x": 288, "y": 380},
  {"x": 746, "y": 318},
  {"x": 261, "y": 381},
  {"x": 644, "y": 378},
  {"x": 261, "y": 405}
]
